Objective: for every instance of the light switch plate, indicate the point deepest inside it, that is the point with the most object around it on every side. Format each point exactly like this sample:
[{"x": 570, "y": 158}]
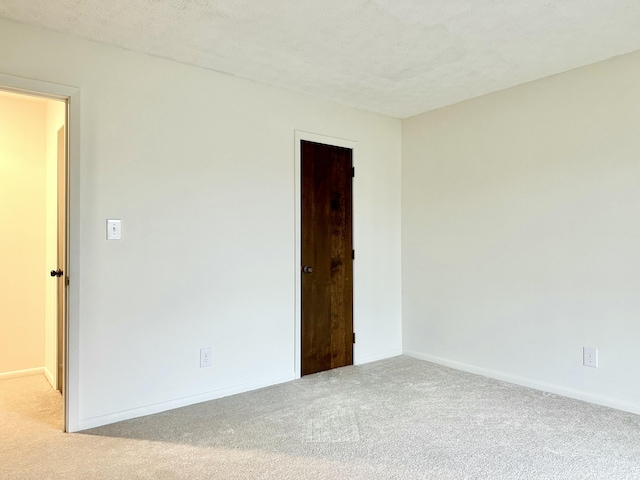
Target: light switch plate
[{"x": 114, "y": 229}]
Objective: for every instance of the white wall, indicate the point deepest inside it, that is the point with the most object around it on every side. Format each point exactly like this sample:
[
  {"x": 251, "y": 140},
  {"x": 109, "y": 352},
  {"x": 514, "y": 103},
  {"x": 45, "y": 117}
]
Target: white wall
[
  {"x": 521, "y": 233},
  {"x": 55, "y": 119},
  {"x": 22, "y": 234},
  {"x": 199, "y": 167}
]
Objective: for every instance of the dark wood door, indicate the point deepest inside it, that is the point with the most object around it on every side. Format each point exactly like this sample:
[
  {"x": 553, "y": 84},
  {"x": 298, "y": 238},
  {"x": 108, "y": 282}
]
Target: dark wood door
[{"x": 327, "y": 262}]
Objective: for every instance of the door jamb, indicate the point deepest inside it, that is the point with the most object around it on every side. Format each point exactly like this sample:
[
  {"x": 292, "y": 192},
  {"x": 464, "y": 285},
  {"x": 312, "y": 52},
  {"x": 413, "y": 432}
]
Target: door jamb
[
  {"x": 297, "y": 328},
  {"x": 71, "y": 348}
]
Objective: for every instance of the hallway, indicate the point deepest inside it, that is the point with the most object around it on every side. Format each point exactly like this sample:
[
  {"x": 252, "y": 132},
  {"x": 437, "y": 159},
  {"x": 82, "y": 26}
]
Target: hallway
[{"x": 29, "y": 403}]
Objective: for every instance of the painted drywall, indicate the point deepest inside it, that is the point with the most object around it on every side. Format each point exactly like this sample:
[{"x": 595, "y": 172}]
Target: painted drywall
[
  {"x": 55, "y": 118},
  {"x": 521, "y": 229},
  {"x": 22, "y": 235},
  {"x": 200, "y": 168}
]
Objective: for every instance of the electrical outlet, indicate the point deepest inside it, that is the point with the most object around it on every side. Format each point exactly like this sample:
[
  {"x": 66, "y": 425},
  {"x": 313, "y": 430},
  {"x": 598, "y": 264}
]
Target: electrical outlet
[
  {"x": 206, "y": 355},
  {"x": 590, "y": 357}
]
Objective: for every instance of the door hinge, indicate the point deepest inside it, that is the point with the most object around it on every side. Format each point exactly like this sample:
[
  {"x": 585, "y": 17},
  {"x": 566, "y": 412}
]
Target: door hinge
[
  {"x": 353, "y": 254},
  {"x": 353, "y": 172},
  {"x": 66, "y": 281},
  {"x": 354, "y": 337}
]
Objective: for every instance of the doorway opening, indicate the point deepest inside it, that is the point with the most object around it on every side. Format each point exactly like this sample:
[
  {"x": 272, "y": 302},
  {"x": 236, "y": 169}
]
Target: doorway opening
[{"x": 33, "y": 239}]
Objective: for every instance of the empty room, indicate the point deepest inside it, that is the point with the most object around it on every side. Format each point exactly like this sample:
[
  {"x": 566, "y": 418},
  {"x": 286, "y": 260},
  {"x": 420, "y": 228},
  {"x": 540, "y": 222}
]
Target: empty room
[{"x": 333, "y": 239}]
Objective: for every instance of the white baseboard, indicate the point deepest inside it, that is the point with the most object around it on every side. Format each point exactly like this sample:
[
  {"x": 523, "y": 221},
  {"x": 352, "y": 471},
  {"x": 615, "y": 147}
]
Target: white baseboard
[
  {"x": 48, "y": 375},
  {"x": 526, "y": 382},
  {"x": 22, "y": 373},
  {"x": 180, "y": 402},
  {"x": 378, "y": 356}
]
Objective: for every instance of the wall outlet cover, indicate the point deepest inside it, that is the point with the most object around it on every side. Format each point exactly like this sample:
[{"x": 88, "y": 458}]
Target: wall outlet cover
[
  {"x": 590, "y": 357},
  {"x": 206, "y": 357}
]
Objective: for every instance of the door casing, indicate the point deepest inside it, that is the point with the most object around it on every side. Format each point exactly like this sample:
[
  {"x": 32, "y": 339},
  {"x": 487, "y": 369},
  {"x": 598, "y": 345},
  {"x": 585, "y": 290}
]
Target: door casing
[{"x": 338, "y": 142}]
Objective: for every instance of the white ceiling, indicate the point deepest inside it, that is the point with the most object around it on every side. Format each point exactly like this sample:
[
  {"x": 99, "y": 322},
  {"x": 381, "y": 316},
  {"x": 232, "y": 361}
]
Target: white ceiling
[{"x": 396, "y": 57}]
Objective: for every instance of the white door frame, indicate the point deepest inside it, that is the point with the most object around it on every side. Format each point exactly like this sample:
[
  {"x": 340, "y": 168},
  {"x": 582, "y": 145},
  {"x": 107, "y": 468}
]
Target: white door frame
[
  {"x": 297, "y": 329},
  {"x": 72, "y": 96}
]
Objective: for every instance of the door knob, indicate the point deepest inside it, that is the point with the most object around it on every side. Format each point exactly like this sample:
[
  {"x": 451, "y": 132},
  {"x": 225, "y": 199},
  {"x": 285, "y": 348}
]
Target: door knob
[
  {"x": 306, "y": 269},
  {"x": 57, "y": 273}
]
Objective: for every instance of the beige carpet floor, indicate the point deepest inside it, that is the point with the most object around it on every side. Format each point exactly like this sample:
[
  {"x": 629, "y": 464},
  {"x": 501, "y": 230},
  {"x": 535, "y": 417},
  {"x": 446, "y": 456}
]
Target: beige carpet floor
[{"x": 396, "y": 419}]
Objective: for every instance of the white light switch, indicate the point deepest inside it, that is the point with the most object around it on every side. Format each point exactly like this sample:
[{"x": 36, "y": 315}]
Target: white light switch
[{"x": 114, "y": 229}]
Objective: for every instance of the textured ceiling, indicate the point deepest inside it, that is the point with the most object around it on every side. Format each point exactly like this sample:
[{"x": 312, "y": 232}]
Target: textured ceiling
[{"x": 396, "y": 57}]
